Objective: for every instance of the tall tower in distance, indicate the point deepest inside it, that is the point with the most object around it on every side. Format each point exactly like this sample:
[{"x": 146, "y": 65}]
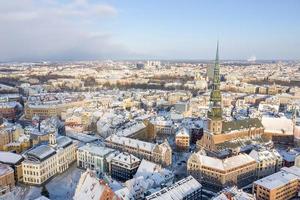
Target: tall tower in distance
[{"x": 215, "y": 111}]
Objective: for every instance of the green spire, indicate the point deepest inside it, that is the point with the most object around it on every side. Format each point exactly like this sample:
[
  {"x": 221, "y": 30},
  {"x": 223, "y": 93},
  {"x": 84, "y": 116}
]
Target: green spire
[
  {"x": 216, "y": 77},
  {"x": 215, "y": 96}
]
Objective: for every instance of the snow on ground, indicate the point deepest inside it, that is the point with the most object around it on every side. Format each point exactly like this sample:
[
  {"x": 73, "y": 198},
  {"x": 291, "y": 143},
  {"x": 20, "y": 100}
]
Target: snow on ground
[
  {"x": 179, "y": 164},
  {"x": 61, "y": 187}
]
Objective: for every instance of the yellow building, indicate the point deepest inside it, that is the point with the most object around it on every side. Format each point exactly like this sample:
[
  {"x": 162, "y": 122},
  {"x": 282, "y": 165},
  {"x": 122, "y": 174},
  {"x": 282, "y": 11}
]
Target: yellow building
[
  {"x": 158, "y": 153},
  {"x": 49, "y": 110},
  {"x": 43, "y": 162},
  {"x": 216, "y": 173},
  {"x": 7, "y": 181},
  {"x": 17, "y": 147},
  {"x": 282, "y": 185},
  {"x": 15, "y": 162},
  {"x": 12, "y": 138},
  {"x": 182, "y": 139},
  {"x": 143, "y": 130}
]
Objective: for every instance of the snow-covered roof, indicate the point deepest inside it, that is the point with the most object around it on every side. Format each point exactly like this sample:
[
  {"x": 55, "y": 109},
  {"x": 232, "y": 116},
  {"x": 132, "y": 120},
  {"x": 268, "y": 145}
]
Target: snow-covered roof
[
  {"x": 182, "y": 132},
  {"x": 126, "y": 158},
  {"x": 147, "y": 146},
  {"x": 90, "y": 187},
  {"x": 277, "y": 180},
  {"x": 292, "y": 170},
  {"x": 131, "y": 129},
  {"x": 41, "y": 152},
  {"x": 96, "y": 149},
  {"x": 9, "y": 158},
  {"x": 63, "y": 141},
  {"x": 280, "y": 125},
  {"x": 233, "y": 193},
  {"x": 125, "y": 194},
  {"x": 289, "y": 155},
  {"x": 146, "y": 167},
  {"x": 178, "y": 190},
  {"x": 161, "y": 121},
  {"x": 82, "y": 137},
  {"x": 9, "y": 104},
  {"x": 264, "y": 155},
  {"x": 42, "y": 198},
  {"x": 5, "y": 169},
  {"x": 224, "y": 164},
  {"x": 153, "y": 172}
]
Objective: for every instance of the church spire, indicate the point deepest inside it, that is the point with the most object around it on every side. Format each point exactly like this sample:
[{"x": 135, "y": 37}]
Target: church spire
[
  {"x": 215, "y": 112},
  {"x": 216, "y": 77},
  {"x": 215, "y": 95}
]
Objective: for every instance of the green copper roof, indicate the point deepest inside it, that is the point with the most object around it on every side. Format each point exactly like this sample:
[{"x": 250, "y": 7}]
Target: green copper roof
[
  {"x": 215, "y": 113},
  {"x": 216, "y": 78}
]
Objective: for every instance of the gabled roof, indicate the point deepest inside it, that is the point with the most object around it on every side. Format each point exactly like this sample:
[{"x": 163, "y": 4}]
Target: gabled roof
[{"x": 222, "y": 164}]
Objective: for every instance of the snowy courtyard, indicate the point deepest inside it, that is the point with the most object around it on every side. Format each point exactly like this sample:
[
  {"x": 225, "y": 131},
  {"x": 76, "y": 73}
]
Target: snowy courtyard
[{"x": 61, "y": 187}]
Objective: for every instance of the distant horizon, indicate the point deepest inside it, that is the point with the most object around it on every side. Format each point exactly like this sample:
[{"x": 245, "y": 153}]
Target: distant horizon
[{"x": 145, "y": 60}]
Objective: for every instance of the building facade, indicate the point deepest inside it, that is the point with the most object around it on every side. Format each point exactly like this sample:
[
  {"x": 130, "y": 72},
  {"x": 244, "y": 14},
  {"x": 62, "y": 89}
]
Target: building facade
[
  {"x": 159, "y": 153},
  {"x": 124, "y": 166},
  {"x": 164, "y": 127},
  {"x": 215, "y": 173},
  {"x": 268, "y": 161},
  {"x": 7, "y": 180},
  {"x": 15, "y": 162},
  {"x": 91, "y": 156},
  {"x": 50, "y": 109},
  {"x": 8, "y": 110},
  {"x": 45, "y": 161},
  {"x": 182, "y": 139},
  {"x": 282, "y": 185}
]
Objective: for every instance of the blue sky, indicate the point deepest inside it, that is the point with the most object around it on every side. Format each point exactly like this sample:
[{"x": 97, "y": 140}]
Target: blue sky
[{"x": 152, "y": 29}]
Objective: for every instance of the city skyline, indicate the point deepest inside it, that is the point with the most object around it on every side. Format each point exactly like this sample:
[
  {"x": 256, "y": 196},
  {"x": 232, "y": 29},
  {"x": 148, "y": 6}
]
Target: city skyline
[{"x": 127, "y": 30}]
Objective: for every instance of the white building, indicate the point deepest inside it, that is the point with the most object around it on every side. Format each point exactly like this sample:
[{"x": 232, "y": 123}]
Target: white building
[
  {"x": 164, "y": 126},
  {"x": 93, "y": 157}
]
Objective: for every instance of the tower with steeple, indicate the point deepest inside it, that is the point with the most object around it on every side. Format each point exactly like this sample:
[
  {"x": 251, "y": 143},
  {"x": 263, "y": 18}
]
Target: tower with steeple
[
  {"x": 215, "y": 112},
  {"x": 52, "y": 139},
  {"x": 219, "y": 134}
]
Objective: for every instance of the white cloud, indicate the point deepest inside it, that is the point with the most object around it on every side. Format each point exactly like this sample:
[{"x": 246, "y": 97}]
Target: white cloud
[{"x": 48, "y": 29}]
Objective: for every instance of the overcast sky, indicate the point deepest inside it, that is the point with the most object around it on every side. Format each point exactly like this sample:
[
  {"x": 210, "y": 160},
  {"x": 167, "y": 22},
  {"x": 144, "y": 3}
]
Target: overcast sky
[{"x": 35, "y": 30}]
